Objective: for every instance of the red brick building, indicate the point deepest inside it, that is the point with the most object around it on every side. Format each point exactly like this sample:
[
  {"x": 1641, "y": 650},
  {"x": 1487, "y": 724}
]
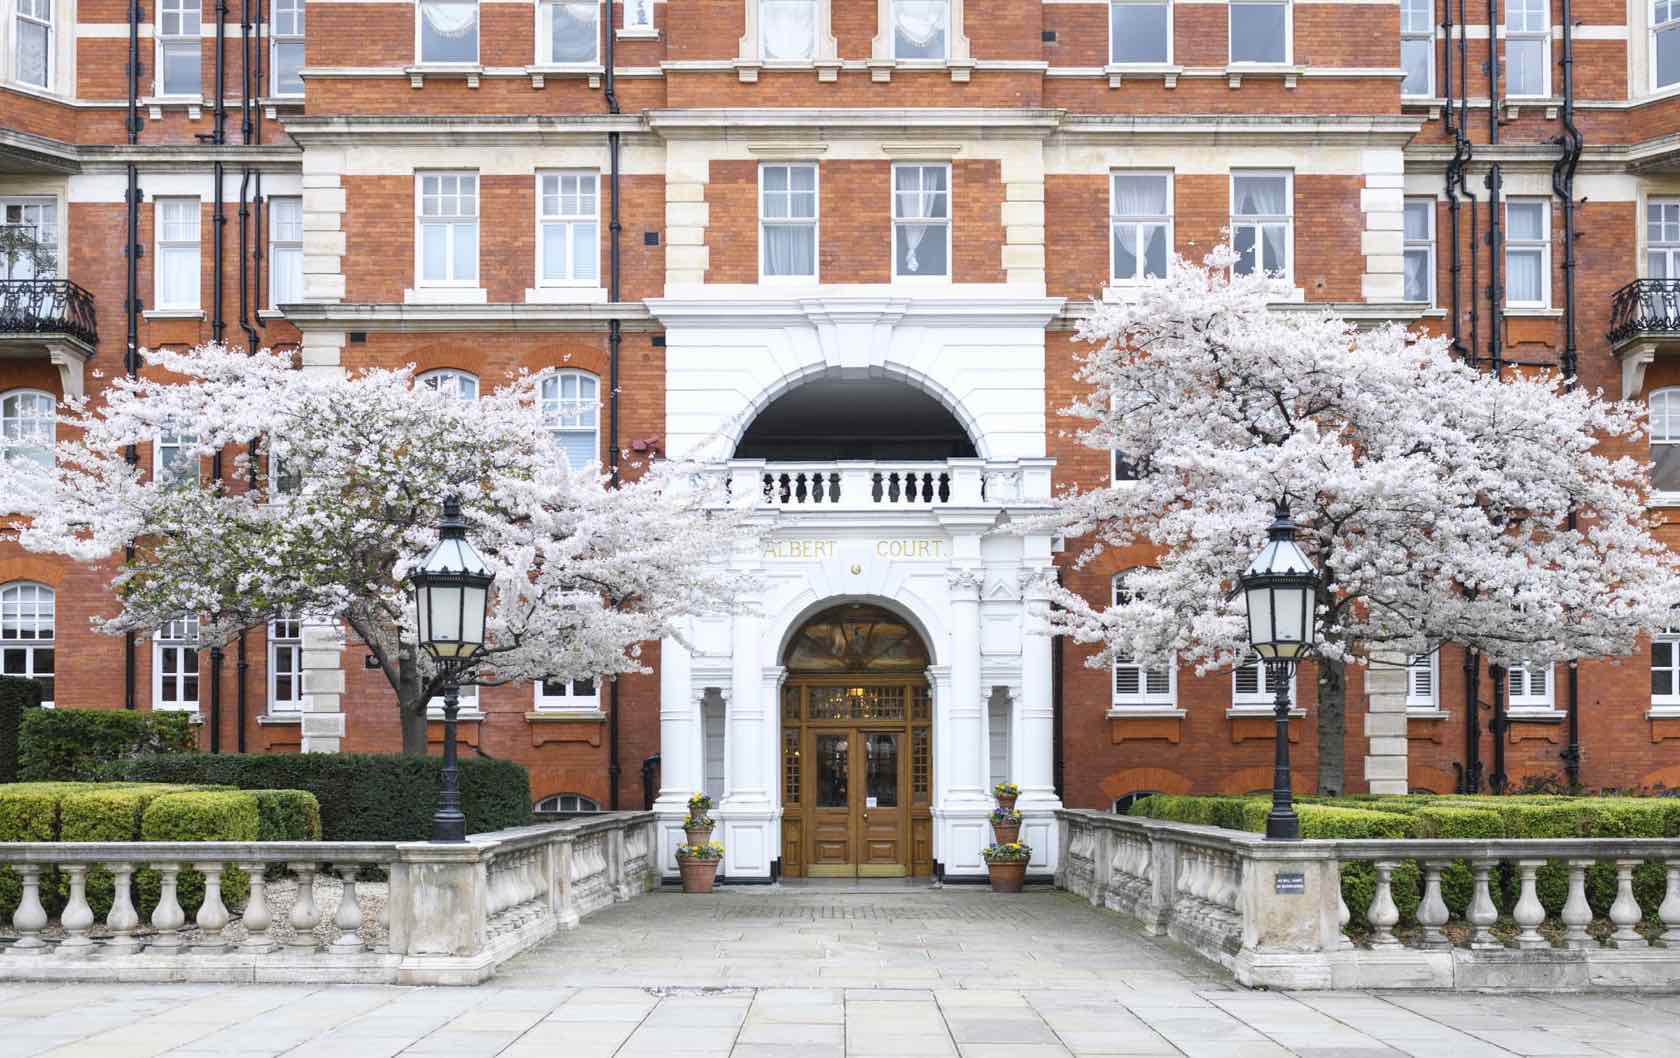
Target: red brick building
[{"x": 839, "y": 246}]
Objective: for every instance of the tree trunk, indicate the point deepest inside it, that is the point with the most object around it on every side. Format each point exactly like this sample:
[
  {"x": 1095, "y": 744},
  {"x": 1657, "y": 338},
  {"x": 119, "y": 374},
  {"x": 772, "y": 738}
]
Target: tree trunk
[
  {"x": 1332, "y": 726},
  {"x": 412, "y": 705}
]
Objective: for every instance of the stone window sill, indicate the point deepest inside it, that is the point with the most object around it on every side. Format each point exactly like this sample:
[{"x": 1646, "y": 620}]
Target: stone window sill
[
  {"x": 1663, "y": 712},
  {"x": 418, "y": 73},
  {"x": 551, "y": 716},
  {"x": 1426, "y": 713},
  {"x": 541, "y": 72},
  {"x": 461, "y": 295},
  {"x": 1265, "y": 712},
  {"x": 280, "y": 719},
  {"x": 1145, "y": 712},
  {"x": 1167, "y": 73},
  {"x": 462, "y": 716},
  {"x": 1289, "y": 72},
  {"x": 173, "y": 314},
  {"x": 1534, "y": 715}
]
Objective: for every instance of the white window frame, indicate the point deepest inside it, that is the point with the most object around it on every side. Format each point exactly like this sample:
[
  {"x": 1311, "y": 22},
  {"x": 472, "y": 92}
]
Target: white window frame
[
  {"x": 1414, "y": 34},
  {"x": 442, "y": 377},
  {"x": 1148, "y": 64},
  {"x": 1543, "y": 245},
  {"x": 1116, "y": 219},
  {"x": 891, "y": 33},
  {"x": 1288, "y": 37},
  {"x": 12, "y": 420},
  {"x": 180, "y": 638},
  {"x": 160, "y": 229},
  {"x": 545, "y": 37},
  {"x": 1668, "y": 702},
  {"x": 1144, "y": 698},
  {"x": 39, "y": 610},
  {"x": 1529, "y": 701},
  {"x": 285, "y": 633},
  {"x": 1664, "y": 430},
  {"x": 180, "y": 39},
  {"x": 276, "y": 474},
  {"x": 1262, "y": 700},
  {"x": 450, "y": 223},
  {"x": 39, "y": 212},
  {"x": 571, "y": 701},
  {"x": 818, "y": 21},
  {"x": 947, "y": 221},
  {"x": 1260, "y": 221},
  {"x": 814, "y": 223},
  {"x": 1542, "y": 36},
  {"x": 173, "y": 440},
  {"x": 575, "y": 416},
  {"x": 557, "y": 803},
  {"x": 642, "y": 25},
  {"x": 478, "y": 41},
  {"x": 1659, "y": 26},
  {"x": 1425, "y": 246},
  {"x": 1669, "y": 249},
  {"x": 465, "y": 709},
  {"x": 35, "y": 17},
  {"x": 1423, "y": 682},
  {"x": 569, "y": 221},
  {"x": 288, "y": 245},
  {"x": 292, "y": 34}
]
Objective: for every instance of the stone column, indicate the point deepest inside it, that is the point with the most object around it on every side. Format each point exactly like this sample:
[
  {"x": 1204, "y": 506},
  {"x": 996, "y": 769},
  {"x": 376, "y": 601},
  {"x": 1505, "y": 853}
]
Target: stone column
[
  {"x": 961, "y": 719},
  {"x": 747, "y": 809},
  {"x": 1385, "y": 724},
  {"x": 770, "y": 693},
  {"x": 322, "y": 664},
  {"x": 1033, "y": 729},
  {"x": 679, "y": 751}
]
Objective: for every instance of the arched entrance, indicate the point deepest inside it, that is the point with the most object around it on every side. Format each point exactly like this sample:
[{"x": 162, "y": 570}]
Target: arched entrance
[{"x": 857, "y": 747}]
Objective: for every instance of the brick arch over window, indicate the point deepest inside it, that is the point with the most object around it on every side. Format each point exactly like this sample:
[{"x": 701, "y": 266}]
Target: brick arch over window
[{"x": 1118, "y": 784}]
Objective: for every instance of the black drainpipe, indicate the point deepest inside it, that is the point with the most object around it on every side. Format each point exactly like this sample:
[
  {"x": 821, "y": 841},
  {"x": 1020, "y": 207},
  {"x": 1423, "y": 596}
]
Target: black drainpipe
[
  {"x": 1496, "y": 234},
  {"x": 615, "y": 338},
  {"x": 1563, "y": 185},
  {"x": 1455, "y": 171},
  {"x": 1498, "y": 781},
  {"x": 1470, "y": 778},
  {"x": 131, "y": 304},
  {"x": 1470, "y": 196}
]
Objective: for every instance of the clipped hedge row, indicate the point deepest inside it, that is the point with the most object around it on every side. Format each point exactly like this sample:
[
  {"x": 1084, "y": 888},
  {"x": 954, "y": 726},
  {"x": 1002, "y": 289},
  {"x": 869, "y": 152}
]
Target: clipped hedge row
[
  {"x": 17, "y": 695},
  {"x": 1465, "y": 817},
  {"x": 72, "y": 745},
  {"x": 362, "y": 796}
]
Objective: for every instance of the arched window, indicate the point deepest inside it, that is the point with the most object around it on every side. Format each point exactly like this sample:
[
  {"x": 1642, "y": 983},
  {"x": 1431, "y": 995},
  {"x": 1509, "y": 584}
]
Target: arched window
[
  {"x": 571, "y": 402},
  {"x": 1665, "y": 441},
  {"x": 1123, "y": 805},
  {"x": 567, "y": 802},
  {"x": 26, "y": 634},
  {"x": 1138, "y": 686},
  {"x": 27, "y": 417},
  {"x": 462, "y": 384}
]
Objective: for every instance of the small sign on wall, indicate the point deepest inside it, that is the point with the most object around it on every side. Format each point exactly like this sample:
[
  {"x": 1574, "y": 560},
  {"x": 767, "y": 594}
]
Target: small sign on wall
[{"x": 1293, "y": 883}]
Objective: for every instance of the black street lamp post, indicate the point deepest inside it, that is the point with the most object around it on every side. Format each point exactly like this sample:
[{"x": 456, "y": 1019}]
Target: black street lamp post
[
  {"x": 1280, "y": 592},
  {"x": 451, "y": 599}
]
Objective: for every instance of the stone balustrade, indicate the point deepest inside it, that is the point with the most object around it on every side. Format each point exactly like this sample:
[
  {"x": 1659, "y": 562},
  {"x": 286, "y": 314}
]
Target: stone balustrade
[
  {"x": 1273, "y": 913},
  {"x": 878, "y": 485},
  {"x": 451, "y": 913}
]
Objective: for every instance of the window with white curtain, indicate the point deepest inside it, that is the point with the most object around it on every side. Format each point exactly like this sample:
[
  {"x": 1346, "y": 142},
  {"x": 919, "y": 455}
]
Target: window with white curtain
[
  {"x": 447, "y": 31},
  {"x": 462, "y": 385},
  {"x": 787, "y": 206},
  {"x": 175, "y": 666},
  {"x": 1665, "y": 43},
  {"x": 34, "y": 219},
  {"x": 1422, "y": 679},
  {"x": 1261, "y": 222},
  {"x": 34, "y": 40},
  {"x": 180, "y": 68},
  {"x": 574, "y": 31},
  {"x": 1252, "y": 686},
  {"x": 1665, "y": 668},
  {"x": 285, "y": 250},
  {"x": 1528, "y": 251},
  {"x": 26, "y": 635},
  {"x": 177, "y": 260},
  {"x": 921, "y": 221},
  {"x": 287, "y": 48},
  {"x": 448, "y": 224},
  {"x": 787, "y": 30},
  {"x": 581, "y": 696},
  {"x": 1528, "y": 47},
  {"x": 285, "y": 478},
  {"x": 638, "y": 15},
  {"x": 285, "y": 664},
  {"x": 1418, "y": 257},
  {"x": 1417, "y": 47},
  {"x": 1140, "y": 685},
  {"x": 1529, "y": 686},
  {"x": 1662, "y": 238},
  {"x": 28, "y": 420},
  {"x": 1140, "y": 225},
  {"x": 569, "y": 227},
  {"x": 1259, "y": 31},
  {"x": 921, "y": 28},
  {"x": 571, "y": 404},
  {"x": 175, "y": 455},
  {"x": 1139, "y": 31},
  {"x": 1665, "y": 441}
]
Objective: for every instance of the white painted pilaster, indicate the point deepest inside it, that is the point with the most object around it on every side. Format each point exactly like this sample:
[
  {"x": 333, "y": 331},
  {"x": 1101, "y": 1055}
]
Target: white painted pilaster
[
  {"x": 679, "y": 738},
  {"x": 1034, "y": 721}
]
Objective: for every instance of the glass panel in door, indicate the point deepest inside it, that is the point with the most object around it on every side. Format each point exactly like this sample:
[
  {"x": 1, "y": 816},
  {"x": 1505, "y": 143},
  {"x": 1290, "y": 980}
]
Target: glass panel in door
[{"x": 883, "y": 839}]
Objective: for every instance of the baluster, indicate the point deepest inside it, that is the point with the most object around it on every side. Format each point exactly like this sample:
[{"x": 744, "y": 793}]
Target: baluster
[
  {"x": 1233, "y": 884},
  {"x": 1481, "y": 913},
  {"x": 800, "y": 486},
  {"x": 945, "y": 488},
  {"x": 1625, "y": 911},
  {"x": 1382, "y": 914},
  {"x": 167, "y": 917},
  {"x": 818, "y": 487},
  {"x": 1669, "y": 912},
  {"x": 787, "y": 488},
  {"x": 384, "y": 927},
  {"x": 875, "y": 490},
  {"x": 1577, "y": 913},
  {"x": 1432, "y": 911},
  {"x": 212, "y": 915},
  {"x": 77, "y": 917},
  {"x": 894, "y": 482},
  {"x": 257, "y": 917},
  {"x": 348, "y": 917},
  {"x": 122, "y": 920},
  {"x": 30, "y": 918},
  {"x": 1343, "y": 915},
  {"x": 305, "y": 915},
  {"x": 834, "y": 487},
  {"x": 1529, "y": 913},
  {"x": 769, "y": 488}
]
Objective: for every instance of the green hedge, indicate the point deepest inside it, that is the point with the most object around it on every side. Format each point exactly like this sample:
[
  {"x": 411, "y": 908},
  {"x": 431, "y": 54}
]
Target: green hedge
[
  {"x": 70, "y": 745},
  {"x": 363, "y": 796},
  {"x": 17, "y": 694},
  {"x": 205, "y": 815}
]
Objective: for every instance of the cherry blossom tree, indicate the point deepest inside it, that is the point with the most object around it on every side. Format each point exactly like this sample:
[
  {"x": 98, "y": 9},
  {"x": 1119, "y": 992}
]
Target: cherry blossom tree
[
  {"x": 343, "y": 497},
  {"x": 1442, "y": 504}
]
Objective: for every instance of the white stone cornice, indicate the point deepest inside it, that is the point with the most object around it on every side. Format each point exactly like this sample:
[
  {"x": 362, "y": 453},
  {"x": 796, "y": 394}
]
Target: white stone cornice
[
  {"x": 451, "y": 130},
  {"x": 722, "y": 307},
  {"x": 1244, "y": 130},
  {"x": 869, "y": 121},
  {"x": 580, "y": 316}
]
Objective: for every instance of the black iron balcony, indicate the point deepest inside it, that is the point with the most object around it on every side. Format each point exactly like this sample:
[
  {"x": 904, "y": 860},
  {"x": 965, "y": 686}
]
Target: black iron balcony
[
  {"x": 47, "y": 306},
  {"x": 1645, "y": 308}
]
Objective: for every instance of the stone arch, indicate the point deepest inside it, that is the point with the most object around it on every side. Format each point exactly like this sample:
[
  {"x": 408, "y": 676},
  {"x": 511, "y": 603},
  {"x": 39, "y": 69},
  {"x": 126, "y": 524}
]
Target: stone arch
[
  {"x": 736, "y": 429},
  {"x": 799, "y": 612}
]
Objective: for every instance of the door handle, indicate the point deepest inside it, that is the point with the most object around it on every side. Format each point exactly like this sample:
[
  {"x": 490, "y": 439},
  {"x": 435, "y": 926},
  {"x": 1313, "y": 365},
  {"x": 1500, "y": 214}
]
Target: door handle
[{"x": 866, "y": 815}]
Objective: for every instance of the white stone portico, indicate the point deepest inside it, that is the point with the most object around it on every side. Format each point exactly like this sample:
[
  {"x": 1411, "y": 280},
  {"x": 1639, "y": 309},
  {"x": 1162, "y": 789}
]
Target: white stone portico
[{"x": 931, "y": 541}]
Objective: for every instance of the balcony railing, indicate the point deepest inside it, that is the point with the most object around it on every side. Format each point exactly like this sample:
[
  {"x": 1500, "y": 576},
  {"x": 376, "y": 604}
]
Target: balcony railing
[
  {"x": 47, "y": 306},
  {"x": 890, "y": 485},
  {"x": 1645, "y": 306}
]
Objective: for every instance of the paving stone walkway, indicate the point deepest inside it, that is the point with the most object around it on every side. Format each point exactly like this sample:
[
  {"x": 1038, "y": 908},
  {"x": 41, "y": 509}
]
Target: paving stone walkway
[{"x": 812, "y": 971}]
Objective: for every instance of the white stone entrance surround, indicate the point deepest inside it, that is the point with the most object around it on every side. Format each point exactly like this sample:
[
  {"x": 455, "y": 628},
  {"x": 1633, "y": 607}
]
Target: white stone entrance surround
[{"x": 976, "y": 591}]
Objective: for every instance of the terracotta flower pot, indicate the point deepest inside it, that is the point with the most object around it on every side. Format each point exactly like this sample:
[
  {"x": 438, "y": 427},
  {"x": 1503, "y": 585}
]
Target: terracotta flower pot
[
  {"x": 1006, "y": 833},
  {"x": 1007, "y": 876},
  {"x": 698, "y": 876},
  {"x": 698, "y": 835},
  {"x": 1007, "y": 801}
]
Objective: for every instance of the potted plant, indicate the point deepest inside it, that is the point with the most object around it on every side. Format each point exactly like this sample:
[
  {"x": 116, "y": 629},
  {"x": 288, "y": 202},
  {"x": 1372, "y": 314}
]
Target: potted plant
[
  {"x": 1006, "y": 863},
  {"x": 699, "y": 864},
  {"x": 698, "y": 826},
  {"x": 1006, "y": 825},
  {"x": 1006, "y": 793}
]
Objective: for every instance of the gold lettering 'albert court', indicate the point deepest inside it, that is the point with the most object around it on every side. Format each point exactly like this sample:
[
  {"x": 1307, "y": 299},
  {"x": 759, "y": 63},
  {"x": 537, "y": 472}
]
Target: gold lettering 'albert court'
[
  {"x": 910, "y": 548},
  {"x": 808, "y": 549},
  {"x": 818, "y": 550}
]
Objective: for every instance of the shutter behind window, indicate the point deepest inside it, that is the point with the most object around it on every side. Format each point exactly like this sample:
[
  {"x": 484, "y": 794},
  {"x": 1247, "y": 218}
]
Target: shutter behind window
[
  {"x": 1421, "y": 679},
  {"x": 1158, "y": 682},
  {"x": 1127, "y": 683},
  {"x": 1248, "y": 679}
]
